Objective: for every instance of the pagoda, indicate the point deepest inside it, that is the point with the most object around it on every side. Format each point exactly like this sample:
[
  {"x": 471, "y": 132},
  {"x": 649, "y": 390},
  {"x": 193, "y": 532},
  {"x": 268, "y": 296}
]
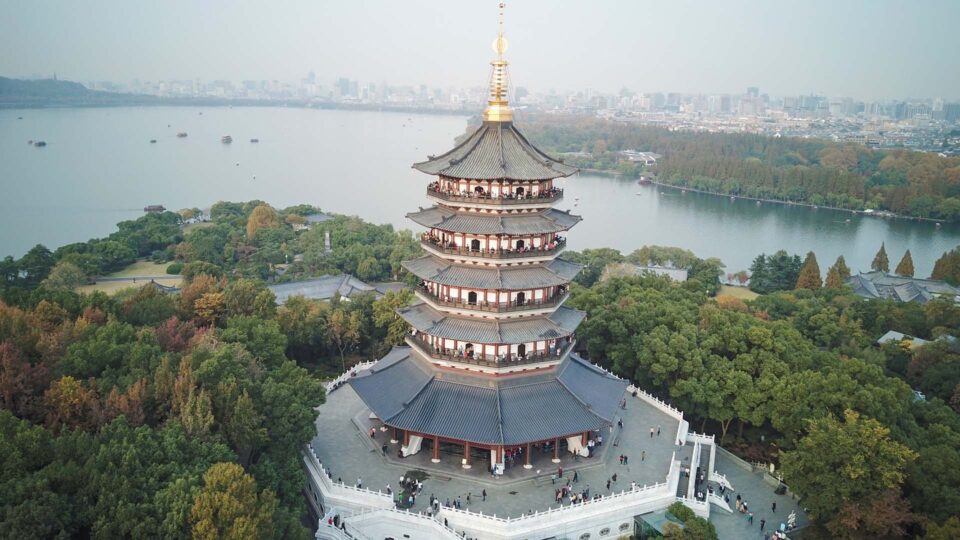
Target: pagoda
[{"x": 489, "y": 367}]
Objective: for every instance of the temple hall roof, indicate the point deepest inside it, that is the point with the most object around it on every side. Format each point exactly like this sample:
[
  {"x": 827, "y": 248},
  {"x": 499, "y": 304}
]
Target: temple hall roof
[
  {"x": 432, "y": 268},
  {"x": 547, "y": 221},
  {"x": 496, "y": 150},
  {"x": 562, "y": 322},
  {"x": 409, "y": 394}
]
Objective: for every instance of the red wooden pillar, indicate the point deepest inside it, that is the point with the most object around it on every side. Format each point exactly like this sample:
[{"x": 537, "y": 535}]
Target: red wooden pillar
[
  {"x": 583, "y": 439},
  {"x": 526, "y": 458},
  {"x": 556, "y": 450},
  {"x": 406, "y": 438},
  {"x": 436, "y": 450},
  {"x": 466, "y": 455},
  {"x": 396, "y": 436}
]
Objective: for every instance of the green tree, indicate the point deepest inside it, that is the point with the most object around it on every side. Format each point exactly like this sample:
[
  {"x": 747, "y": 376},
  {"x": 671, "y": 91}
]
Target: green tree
[
  {"x": 229, "y": 507},
  {"x": 65, "y": 276},
  {"x": 880, "y": 262},
  {"x": 905, "y": 267},
  {"x": 809, "y": 277},
  {"x": 842, "y": 462},
  {"x": 842, "y": 268},
  {"x": 947, "y": 267},
  {"x": 385, "y": 315}
]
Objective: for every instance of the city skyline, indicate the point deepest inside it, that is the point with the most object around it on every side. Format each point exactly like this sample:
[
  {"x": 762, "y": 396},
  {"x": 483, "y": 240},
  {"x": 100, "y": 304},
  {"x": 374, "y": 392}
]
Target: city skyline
[{"x": 872, "y": 51}]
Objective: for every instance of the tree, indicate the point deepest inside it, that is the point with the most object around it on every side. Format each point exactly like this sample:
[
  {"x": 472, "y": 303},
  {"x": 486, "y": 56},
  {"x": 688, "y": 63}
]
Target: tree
[
  {"x": 343, "y": 328},
  {"x": 262, "y": 217},
  {"x": 834, "y": 281},
  {"x": 841, "y": 462},
  {"x": 809, "y": 277},
  {"x": 947, "y": 267},
  {"x": 229, "y": 507},
  {"x": 385, "y": 315},
  {"x": 70, "y": 404},
  {"x": 197, "y": 414},
  {"x": 905, "y": 267},
  {"x": 842, "y": 268},
  {"x": 880, "y": 262},
  {"x": 949, "y": 530},
  {"x": 65, "y": 276}
]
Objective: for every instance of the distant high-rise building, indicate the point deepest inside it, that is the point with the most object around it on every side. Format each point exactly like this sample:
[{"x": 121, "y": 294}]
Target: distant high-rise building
[
  {"x": 951, "y": 112},
  {"x": 753, "y": 92}
]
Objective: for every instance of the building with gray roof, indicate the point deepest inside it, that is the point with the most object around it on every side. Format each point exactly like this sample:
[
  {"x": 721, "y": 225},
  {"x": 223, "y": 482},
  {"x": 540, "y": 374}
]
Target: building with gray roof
[
  {"x": 901, "y": 288},
  {"x": 326, "y": 287}
]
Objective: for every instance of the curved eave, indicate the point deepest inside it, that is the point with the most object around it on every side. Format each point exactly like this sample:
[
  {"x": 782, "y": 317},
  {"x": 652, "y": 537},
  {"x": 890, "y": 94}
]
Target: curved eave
[
  {"x": 561, "y": 323},
  {"x": 437, "y": 270},
  {"x": 546, "y": 222},
  {"x": 577, "y": 397},
  {"x": 496, "y": 151}
]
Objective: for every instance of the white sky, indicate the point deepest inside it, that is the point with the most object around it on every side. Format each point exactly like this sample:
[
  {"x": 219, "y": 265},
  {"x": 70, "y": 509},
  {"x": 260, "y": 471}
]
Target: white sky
[{"x": 868, "y": 49}]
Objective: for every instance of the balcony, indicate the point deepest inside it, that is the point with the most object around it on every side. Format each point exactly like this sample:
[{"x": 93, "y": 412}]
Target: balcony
[
  {"x": 435, "y": 244},
  {"x": 549, "y": 196},
  {"x": 496, "y": 307},
  {"x": 420, "y": 343}
]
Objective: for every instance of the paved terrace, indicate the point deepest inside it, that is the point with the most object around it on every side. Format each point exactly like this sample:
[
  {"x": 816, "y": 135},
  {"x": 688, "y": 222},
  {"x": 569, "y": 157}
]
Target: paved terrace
[{"x": 348, "y": 452}]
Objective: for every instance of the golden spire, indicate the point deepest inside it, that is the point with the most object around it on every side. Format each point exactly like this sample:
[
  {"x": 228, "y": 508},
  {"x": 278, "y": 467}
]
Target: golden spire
[{"x": 498, "y": 109}]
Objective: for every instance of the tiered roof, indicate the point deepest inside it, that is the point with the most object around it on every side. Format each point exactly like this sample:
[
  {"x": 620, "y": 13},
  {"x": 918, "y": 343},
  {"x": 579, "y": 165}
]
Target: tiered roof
[
  {"x": 561, "y": 323},
  {"x": 496, "y": 151},
  {"x": 547, "y": 221},
  {"x": 437, "y": 270},
  {"x": 573, "y": 398}
]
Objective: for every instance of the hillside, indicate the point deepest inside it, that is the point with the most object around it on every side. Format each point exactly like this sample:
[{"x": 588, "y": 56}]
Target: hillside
[{"x": 16, "y": 93}]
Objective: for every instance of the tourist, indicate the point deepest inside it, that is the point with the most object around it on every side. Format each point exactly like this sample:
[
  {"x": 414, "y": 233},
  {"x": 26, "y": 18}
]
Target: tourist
[
  {"x": 419, "y": 487},
  {"x": 773, "y": 507},
  {"x": 576, "y": 477},
  {"x": 621, "y": 459},
  {"x": 608, "y": 484},
  {"x": 389, "y": 490},
  {"x": 643, "y": 455},
  {"x": 614, "y": 477},
  {"x": 651, "y": 432},
  {"x": 468, "y": 497},
  {"x": 484, "y": 494},
  {"x": 560, "y": 472},
  {"x": 359, "y": 483},
  {"x": 763, "y": 523},
  {"x": 626, "y": 459},
  {"x": 658, "y": 431},
  {"x": 750, "y": 519}
]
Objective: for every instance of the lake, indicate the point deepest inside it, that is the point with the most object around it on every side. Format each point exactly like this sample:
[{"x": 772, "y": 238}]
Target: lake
[{"x": 99, "y": 168}]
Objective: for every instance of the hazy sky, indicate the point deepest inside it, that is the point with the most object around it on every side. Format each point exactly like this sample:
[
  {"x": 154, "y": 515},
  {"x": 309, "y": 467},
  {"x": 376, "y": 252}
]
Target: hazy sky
[{"x": 870, "y": 49}]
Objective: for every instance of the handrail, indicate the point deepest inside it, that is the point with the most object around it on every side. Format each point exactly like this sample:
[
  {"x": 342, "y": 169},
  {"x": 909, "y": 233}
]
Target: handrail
[
  {"x": 497, "y": 307},
  {"x": 549, "y": 196},
  {"x": 488, "y": 360},
  {"x": 348, "y": 374},
  {"x": 432, "y": 242}
]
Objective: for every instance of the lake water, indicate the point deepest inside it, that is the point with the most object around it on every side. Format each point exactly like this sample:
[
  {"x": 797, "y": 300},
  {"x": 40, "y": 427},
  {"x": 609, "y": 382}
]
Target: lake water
[{"x": 100, "y": 168}]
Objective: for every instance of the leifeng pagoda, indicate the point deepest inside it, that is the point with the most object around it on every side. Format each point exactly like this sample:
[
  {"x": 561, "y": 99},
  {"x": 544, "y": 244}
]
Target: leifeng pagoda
[{"x": 490, "y": 367}]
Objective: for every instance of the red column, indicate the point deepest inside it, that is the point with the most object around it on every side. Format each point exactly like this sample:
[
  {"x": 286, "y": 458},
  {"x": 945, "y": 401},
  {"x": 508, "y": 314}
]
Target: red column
[
  {"x": 466, "y": 455},
  {"x": 556, "y": 450},
  {"x": 436, "y": 450},
  {"x": 583, "y": 439},
  {"x": 526, "y": 458}
]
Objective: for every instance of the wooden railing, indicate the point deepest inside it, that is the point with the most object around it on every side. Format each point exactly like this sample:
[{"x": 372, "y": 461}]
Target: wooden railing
[
  {"x": 488, "y": 360},
  {"x": 496, "y": 307},
  {"x": 436, "y": 244},
  {"x": 547, "y": 196}
]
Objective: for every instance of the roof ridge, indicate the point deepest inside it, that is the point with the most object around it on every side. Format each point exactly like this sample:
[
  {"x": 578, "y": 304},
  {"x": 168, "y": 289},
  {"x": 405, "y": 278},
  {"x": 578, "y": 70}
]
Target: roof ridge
[
  {"x": 451, "y": 151},
  {"x": 503, "y": 161},
  {"x": 581, "y": 402},
  {"x": 499, "y": 413}
]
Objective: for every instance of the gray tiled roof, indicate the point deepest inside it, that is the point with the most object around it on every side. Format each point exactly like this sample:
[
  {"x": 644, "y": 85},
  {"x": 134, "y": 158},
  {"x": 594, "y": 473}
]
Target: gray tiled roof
[
  {"x": 547, "y": 221},
  {"x": 409, "y": 394},
  {"x": 322, "y": 288},
  {"x": 431, "y": 268},
  {"x": 560, "y": 323},
  {"x": 900, "y": 288},
  {"x": 496, "y": 151}
]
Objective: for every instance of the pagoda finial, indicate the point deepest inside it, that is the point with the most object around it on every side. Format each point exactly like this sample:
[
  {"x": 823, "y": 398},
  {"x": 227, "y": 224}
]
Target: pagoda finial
[{"x": 498, "y": 109}]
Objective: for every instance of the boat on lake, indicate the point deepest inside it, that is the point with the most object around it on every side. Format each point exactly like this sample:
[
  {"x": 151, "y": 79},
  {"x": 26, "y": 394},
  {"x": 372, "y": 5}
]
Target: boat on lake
[
  {"x": 254, "y": 140},
  {"x": 40, "y": 143},
  {"x": 153, "y": 141},
  {"x": 182, "y": 134},
  {"x": 226, "y": 139}
]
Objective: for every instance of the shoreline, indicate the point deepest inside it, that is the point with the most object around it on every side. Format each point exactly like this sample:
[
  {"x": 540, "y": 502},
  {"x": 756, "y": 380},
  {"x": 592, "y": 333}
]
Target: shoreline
[{"x": 881, "y": 213}]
